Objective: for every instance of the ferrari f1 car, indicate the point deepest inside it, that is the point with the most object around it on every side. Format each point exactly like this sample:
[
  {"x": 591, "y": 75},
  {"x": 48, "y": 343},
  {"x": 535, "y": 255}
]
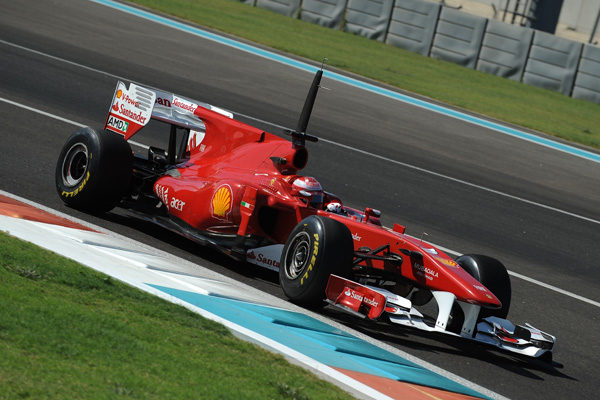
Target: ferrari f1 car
[{"x": 229, "y": 185}]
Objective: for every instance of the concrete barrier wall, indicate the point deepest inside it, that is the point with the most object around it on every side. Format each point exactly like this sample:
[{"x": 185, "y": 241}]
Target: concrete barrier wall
[
  {"x": 369, "y": 18},
  {"x": 428, "y": 28},
  {"x": 413, "y": 25},
  {"x": 552, "y": 62},
  {"x": 587, "y": 81},
  {"x": 285, "y": 7},
  {"x": 458, "y": 37},
  {"x": 329, "y": 13},
  {"x": 504, "y": 50}
]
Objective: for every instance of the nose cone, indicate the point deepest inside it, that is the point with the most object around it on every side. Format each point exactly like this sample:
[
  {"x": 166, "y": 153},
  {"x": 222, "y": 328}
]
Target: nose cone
[
  {"x": 484, "y": 297},
  {"x": 462, "y": 284}
]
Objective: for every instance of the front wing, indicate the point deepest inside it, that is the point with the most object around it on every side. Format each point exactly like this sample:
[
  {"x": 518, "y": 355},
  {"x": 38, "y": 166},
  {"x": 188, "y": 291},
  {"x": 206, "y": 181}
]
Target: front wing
[{"x": 373, "y": 303}]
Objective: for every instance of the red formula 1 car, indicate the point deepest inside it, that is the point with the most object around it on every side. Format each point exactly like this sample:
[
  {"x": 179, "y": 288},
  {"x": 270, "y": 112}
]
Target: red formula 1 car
[{"x": 229, "y": 185}]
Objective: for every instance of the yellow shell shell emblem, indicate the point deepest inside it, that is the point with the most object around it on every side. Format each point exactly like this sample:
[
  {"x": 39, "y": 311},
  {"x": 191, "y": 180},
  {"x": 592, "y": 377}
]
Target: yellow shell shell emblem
[{"x": 221, "y": 202}]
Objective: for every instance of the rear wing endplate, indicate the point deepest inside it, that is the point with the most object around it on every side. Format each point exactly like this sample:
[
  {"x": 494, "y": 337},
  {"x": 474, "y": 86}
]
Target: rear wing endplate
[{"x": 132, "y": 108}]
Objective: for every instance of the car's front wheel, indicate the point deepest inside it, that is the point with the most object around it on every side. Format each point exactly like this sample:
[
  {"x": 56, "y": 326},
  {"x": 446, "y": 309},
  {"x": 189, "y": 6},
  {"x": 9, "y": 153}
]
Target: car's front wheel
[
  {"x": 316, "y": 248},
  {"x": 494, "y": 276}
]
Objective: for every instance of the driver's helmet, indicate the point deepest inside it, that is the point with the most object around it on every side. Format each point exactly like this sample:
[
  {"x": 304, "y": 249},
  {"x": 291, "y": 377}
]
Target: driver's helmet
[
  {"x": 335, "y": 207},
  {"x": 310, "y": 189}
]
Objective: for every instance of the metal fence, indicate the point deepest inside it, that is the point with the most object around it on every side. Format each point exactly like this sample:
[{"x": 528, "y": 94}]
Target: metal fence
[{"x": 432, "y": 29}]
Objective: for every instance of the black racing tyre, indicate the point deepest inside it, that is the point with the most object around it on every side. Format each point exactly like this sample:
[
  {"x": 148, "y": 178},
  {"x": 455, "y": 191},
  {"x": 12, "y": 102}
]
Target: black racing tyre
[
  {"x": 316, "y": 248},
  {"x": 93, "y": 171},
  {"x": 494, "y": 276}
]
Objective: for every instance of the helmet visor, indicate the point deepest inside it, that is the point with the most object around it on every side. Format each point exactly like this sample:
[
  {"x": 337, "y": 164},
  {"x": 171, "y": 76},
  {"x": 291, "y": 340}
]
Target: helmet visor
[{"x": 316, "y": 200}]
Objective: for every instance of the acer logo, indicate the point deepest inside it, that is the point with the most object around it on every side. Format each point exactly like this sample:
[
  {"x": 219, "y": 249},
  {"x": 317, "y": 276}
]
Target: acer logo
[{"x": 177, "y": 204}]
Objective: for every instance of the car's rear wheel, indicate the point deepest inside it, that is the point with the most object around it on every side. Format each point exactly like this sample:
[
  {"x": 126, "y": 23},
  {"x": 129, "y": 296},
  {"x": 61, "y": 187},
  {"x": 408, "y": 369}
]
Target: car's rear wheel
[
  {"x": 93, "y": 171},
  {"x": 316, "y": 248}
]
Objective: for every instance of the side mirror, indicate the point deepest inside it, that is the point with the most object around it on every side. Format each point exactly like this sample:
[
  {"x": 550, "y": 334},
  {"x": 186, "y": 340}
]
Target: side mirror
[{"x": 371, "y": 212}]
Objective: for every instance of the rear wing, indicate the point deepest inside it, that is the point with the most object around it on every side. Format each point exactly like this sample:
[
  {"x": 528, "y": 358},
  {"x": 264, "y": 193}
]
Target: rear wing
[{"x": 132, "y": 108}]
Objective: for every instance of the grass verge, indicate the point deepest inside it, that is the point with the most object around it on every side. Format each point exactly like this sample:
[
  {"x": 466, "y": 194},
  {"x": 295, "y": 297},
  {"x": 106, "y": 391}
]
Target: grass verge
[
  {"x": 543, "y": 110},
  {"x": 68, "y": 332}
]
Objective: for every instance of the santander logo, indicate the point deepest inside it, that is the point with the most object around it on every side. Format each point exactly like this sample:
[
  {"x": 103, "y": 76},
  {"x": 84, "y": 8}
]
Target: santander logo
[
  {"x": 124, "y": 108},
  {"x": 356, "y": 296},
  {"x": 265, "y": 260},
  {"x": 191, "y": 107}
]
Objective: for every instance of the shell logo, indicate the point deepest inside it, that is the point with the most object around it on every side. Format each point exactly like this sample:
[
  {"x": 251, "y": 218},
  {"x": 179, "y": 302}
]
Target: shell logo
[
  {"x": 119, "y": 93},
  {"x": 221, "y": 202},
  {"x": 449, "y": 263}
]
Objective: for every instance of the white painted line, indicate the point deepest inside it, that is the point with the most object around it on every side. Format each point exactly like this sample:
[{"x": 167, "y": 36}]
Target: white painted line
[
  {"x": 410, "y": 166},
  {"x": 426, "y": 171},
  {"x": 414, "y": 167},
  {"x": 65, "y": 120},
  {"x": 510, "y": 196},
  {"x": 63, "y": 60},
  {"x": 542, "y": 284},
  {"x": 531, "y": 280},
  {"x": 45, "y": 114},
  {"x": 554, "y": 288}
]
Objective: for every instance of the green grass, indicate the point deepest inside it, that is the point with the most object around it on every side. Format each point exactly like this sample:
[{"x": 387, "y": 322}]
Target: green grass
[
  {"x": 68, "y": 332},
  {"x": 530, "y": 107}
]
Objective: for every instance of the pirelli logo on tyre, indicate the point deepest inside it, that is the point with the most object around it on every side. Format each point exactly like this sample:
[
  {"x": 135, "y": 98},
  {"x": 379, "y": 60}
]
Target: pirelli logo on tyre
[
  {"x": 117, "y": 124},
  {"x": 75, "y": 192},
  {"x": 313, "y": 258}
]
